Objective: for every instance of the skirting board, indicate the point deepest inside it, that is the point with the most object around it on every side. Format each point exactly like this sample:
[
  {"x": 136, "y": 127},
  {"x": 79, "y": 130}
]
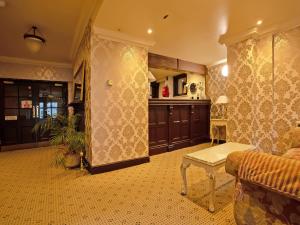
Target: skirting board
[{"x": 115, "y": 166}]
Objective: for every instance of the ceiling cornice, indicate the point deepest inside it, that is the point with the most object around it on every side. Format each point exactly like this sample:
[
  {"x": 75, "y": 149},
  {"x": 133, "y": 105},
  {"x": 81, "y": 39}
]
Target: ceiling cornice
[
  {"x": 222, "y": 61},
  {"x": 257, "y": 32},
  {"x": 33, "y": 62},
  {"x": 88, "y": 13},
  {"x": 122, "y": 37}
]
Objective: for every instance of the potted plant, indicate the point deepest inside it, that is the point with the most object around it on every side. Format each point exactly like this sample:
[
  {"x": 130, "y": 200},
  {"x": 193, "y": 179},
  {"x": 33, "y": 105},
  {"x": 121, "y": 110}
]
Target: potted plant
[{"x": 62, "y": 132}]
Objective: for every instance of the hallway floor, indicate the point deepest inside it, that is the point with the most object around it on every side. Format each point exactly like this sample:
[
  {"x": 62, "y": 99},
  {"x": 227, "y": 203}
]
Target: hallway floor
[{"x": 34, "y": 191}]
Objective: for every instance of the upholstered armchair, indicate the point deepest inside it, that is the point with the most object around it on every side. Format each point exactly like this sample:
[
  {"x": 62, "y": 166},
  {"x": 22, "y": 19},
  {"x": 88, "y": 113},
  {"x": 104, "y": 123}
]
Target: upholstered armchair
[{"x": 267, "y": 186}]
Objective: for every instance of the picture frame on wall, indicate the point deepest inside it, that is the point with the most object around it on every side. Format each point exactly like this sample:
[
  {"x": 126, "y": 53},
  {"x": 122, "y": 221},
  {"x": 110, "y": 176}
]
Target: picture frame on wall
[{"x": 79, "y": 83}]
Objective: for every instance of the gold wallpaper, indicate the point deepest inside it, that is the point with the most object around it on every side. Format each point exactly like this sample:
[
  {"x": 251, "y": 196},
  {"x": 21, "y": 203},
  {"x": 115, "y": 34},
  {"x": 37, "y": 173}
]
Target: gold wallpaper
[
  {"x": 84, "y": 54},
  {"x": 241, "y": 61},
  {"x": 263, "y": 87},
  {"x": 34, "y": 72},
  {"x": 286, "y": 84},
  {"x": 119, "y": 113}
]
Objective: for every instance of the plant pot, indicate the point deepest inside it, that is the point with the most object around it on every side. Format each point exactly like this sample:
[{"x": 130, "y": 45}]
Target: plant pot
[{"x": 71, "y": 160}]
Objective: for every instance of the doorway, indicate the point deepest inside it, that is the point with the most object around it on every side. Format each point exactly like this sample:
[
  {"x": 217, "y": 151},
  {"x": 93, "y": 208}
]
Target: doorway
[{"x": 24, "y": 103}]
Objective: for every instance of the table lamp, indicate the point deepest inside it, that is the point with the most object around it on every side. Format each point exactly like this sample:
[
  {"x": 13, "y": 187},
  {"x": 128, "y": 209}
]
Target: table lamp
[{"x": 222, "y": 100}]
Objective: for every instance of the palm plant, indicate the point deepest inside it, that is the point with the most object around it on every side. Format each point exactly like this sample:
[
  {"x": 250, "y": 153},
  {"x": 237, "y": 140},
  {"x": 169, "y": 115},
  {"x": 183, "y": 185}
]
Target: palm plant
[{"x": 62, "y": 131}]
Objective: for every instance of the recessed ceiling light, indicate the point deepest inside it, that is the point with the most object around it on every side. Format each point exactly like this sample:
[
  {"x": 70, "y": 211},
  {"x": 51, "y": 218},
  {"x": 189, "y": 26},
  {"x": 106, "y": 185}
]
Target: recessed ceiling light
[
  {"x": 149, "y": 31},
  {"x": 2, "y": 3},
  {"x": 259, "y": 22}
]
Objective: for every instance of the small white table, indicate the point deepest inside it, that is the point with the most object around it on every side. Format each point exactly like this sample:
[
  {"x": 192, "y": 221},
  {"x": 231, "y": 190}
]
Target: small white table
[{"x": 211, "y": 159}]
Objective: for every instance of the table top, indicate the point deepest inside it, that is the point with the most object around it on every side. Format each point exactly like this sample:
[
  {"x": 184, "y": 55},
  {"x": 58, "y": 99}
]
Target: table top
[{"x": 216, "y": 155}]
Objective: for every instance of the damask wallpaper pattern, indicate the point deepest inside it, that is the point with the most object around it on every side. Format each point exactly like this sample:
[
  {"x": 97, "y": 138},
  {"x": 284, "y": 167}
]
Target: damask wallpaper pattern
[
  {"x": 264, "y": 90},
  {"x": 34, "y": 72},
  {"x": 119, "y": 113},
  {"x": 286, "y": 84},
  {"x": 241, "y": 60}
]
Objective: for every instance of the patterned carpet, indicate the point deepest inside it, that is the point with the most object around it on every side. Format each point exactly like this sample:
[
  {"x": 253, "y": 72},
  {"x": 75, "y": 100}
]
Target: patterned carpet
[{"x": 34, "y": 191}]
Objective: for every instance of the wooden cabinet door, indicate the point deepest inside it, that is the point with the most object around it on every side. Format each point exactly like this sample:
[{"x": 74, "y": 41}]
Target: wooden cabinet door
[{"x": 158, "y": 129}]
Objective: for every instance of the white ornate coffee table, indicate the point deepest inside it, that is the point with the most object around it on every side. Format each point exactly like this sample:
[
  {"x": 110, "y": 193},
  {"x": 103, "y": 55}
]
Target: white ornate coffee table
[{"x": 211, "y": 159}]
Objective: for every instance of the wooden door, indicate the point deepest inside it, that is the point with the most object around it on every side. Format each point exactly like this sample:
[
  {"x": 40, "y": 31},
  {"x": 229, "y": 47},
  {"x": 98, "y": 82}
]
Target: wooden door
[{"x": 23, "y": 104}]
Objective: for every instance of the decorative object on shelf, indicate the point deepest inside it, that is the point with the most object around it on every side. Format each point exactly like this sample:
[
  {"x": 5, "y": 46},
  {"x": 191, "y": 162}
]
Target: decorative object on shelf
[
  {"x": 180, "y": 85},
  {"x": 222, "y": 101},
  {"x": 165, "y": 89},
  {"x": 34, "y": 41},
  {"x": 193, "y": 88},
  {"x": 200, "y": 87}
]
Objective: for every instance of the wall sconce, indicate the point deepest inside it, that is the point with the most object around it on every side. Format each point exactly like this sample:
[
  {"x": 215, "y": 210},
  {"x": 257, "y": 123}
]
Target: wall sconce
[{"x": 225, "y": 71}]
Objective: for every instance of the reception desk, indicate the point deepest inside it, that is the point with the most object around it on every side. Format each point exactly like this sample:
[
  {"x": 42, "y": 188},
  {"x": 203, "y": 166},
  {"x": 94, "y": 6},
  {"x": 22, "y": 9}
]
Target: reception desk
[{"x": 175, "y": 124}]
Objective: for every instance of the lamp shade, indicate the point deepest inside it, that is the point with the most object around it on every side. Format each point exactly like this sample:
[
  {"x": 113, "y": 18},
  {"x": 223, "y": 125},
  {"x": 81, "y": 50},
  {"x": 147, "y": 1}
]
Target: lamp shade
[
  {"x": 33, "y": 44},
  {"x": 223, "y": 99},
  {"x": 151, "y": 77}
]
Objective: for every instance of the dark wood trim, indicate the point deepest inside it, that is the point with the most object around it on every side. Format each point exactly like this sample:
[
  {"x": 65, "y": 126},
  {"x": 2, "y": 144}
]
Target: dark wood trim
[
  {"x": 5, "y": 148},
  {"x": 115, "y": 166},
  {"x": 192, "y": 67},
  {"x": 178, "y": 102},
  {"x": 162, "y": 62},
  {"x": 154, "y": 150}
]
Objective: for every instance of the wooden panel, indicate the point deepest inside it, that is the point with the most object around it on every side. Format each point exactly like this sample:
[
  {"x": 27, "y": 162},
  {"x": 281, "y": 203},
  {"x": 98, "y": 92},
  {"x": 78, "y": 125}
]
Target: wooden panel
[
  {"x": 191, "y": 67},
  {"x": 159, "y": 61},
  {"x": 158, "y": 129},
  {"x": 175, "y": 124}
]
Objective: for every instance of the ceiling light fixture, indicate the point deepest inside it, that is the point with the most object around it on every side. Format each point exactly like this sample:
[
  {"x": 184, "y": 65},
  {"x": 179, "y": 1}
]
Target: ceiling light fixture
[
  {"x": 225, "y": 71},
  {"x": 259, "y": 22},
  {"x": 33, "y": 41},
  {"x": 149, "y": 31}
]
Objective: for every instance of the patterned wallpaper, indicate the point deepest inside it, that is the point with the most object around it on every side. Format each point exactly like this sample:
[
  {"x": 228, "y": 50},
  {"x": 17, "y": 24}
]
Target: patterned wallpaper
[
  {"x": 84, "y": 54},
  {"x": 215, "y": 86},
  {"x": 119, "y": 113},
  {"x": 264, "y": 104},
  {"x": 286, "y": 84},
  {"x": 34, "y": 72},
  {"x": 241, "y": 60}
]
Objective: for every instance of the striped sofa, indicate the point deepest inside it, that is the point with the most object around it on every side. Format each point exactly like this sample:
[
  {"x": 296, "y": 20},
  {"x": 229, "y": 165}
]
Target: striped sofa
[{"x": 267, "y": 186}]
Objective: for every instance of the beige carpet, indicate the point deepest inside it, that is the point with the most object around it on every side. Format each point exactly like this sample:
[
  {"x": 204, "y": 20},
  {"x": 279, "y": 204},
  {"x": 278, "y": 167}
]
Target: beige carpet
[{"x": 34, "y": 191}]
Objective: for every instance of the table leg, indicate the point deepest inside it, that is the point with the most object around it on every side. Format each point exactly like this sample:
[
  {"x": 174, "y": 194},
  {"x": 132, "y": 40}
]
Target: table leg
[
  {"x": 212, "y": 184},
  {"x": 183, "y": 168},
  {"x": 218, "y": 135},
  {"x": 212, "y": 135}
]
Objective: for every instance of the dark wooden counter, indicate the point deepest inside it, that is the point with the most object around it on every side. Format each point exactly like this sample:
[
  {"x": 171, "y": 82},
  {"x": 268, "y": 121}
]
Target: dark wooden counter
[{"x": 175, "y": 124}]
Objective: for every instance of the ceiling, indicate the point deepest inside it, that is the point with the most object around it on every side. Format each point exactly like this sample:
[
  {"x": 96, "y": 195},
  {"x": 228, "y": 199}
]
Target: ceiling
[
  {"x": 191, "y": 32},
  {"x": 61, "y": 22},
  {"x": 193, "y": 28}
]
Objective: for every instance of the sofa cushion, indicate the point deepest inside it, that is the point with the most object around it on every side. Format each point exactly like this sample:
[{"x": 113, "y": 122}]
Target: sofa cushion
[
  {"x": 274, "y": 173},
  {"x": 293, "y": 153}
]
